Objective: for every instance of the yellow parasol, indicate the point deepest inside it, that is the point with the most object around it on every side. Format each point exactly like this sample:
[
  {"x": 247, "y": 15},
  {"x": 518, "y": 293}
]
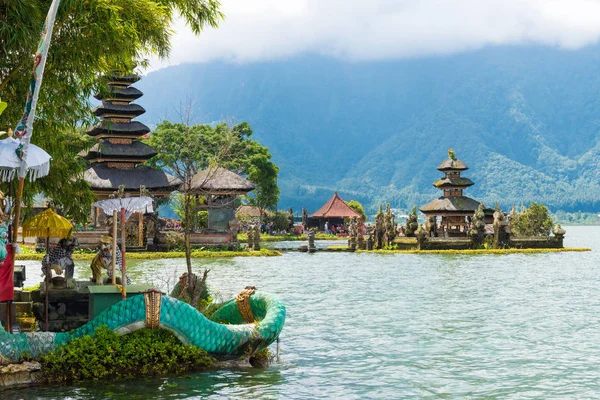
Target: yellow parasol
[{"x": 47, "y": 224}]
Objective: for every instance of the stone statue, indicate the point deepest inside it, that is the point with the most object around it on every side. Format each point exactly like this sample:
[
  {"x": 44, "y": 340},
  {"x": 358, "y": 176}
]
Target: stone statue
[
  {"x": 353, "y": 237},
  {"x": 431, "y": 226},
  {"x": 379, "y": 228},
  {"x": 478, "y": 226},
  {"x": 60, "y": 259},
  {"x": 500, "y": 229},
  {"x": 421, "y": 235},
  {"x": 559, "y": 233},
  {"x": 411, "y": 223},
  {"x": 389, "y": 231},
  {"x": 311, "y": 240},
  {"x": 103, "y": 260},
  {"x": 256, "y": 236},
  {"x": 305, "y": 218},
  {"x": 512, "y": 218}
]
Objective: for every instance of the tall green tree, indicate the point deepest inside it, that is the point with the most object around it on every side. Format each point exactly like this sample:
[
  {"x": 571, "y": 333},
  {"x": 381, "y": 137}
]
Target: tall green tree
[
  {"x": 91, "y": 38},
  {"x": 356, "y": 206},
  {"x": 253, "y": 160},
  {"x": 534, "y": 221},
  {"x": 185, "y": 151}
]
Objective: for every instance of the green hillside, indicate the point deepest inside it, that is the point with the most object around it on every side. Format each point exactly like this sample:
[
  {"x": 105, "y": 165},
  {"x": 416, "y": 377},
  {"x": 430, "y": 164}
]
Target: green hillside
[{"x": 524, "y": 119}]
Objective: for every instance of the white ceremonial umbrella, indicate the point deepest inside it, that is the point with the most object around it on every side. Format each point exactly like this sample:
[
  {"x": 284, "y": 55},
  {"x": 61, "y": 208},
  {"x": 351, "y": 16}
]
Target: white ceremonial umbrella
[
  {"x": 38, "y": 161},
  {"x": 126, "y": 205}
]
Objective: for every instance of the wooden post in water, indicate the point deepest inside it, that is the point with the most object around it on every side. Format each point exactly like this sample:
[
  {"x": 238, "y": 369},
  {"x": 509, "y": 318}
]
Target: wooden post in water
[
  {"x": 123, "y": 270},
  {"x": 140, "y": 229},
  {"x": 114, "y": 247}
]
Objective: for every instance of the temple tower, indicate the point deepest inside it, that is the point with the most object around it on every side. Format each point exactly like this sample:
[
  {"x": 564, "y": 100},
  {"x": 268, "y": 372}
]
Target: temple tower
[
  {"x": 117, "y": 157},
  {"x": 453, "y": 207}
]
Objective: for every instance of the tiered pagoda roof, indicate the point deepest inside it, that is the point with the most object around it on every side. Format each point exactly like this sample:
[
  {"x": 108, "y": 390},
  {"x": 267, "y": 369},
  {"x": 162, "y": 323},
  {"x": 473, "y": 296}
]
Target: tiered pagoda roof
[
  {"x": 335, "y": 208},
  {"x": 452, "y": 184},
  {"x": 117, "y": 156}
]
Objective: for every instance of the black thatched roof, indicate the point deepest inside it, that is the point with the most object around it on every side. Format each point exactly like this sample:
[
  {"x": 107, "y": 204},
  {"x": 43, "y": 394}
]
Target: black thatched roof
[
  {"x": 453, "y": 182},
  {"x": 133, "y": 128},
  {"x": 220, "y": 180},
  {"x": 101, "y": 177},
  {"x": 121, "y": 109},
  {"x": 117, "y": 92},
  {"x": 452, "y": 164},
  {"x": 135, "y": 150},
  {"x": 451, "y": 204},
  {"x": 128, "y": 79}
]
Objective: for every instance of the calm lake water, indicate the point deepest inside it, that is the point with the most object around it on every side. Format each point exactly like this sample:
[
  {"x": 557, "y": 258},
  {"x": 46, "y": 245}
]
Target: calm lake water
[{"x": 399, "y": 326}]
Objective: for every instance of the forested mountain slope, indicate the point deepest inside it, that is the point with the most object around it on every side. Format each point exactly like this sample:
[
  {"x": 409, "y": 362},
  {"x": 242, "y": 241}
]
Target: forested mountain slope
[{"x": 524, "y": 119}]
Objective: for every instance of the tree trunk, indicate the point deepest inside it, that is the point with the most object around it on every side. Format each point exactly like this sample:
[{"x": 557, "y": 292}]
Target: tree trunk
[{"x": 187, "y": 234}]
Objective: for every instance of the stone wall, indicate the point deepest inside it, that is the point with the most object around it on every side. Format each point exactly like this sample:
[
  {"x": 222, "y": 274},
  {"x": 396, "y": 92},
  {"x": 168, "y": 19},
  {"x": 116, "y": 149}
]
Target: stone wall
[
  {"x": 551, "y": 242},
  {"x": 446, "y": 244}
]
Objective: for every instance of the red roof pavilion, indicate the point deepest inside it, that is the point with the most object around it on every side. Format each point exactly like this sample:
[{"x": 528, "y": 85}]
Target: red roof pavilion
[{"x": 335, "y": 208}]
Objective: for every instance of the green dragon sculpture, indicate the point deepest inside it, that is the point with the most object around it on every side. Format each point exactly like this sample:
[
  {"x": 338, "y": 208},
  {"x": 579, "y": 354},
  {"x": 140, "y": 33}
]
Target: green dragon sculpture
[{"x": 227, "y": 332}]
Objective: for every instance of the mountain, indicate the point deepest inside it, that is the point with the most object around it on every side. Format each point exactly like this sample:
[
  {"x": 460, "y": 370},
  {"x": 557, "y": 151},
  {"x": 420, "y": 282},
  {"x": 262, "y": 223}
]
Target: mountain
[{"x": 526, "y": 120}]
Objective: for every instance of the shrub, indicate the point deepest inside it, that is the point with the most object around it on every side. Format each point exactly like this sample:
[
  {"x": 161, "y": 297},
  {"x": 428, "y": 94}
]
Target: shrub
[
  {"x": 534, "y": 221},
  {"x": 175, "y": 240},
  {"x": 143, "y": 352}
]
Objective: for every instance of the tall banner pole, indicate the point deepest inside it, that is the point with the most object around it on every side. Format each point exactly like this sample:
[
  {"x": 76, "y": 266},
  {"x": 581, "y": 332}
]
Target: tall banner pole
[{"x": 24, "y": 128}]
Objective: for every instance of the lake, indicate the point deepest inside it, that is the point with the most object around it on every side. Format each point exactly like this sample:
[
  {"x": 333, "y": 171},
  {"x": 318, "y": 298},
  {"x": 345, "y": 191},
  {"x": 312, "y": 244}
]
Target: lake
[{"x": 398, "y": 326}]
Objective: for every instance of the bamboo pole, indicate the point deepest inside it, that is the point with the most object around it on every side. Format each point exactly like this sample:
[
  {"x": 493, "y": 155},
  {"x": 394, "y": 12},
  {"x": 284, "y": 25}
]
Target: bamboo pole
[
  {"x": 123, "y": 267},
  {"x": 48, "y": 273},
  {"x": 140, "y": 229},
  {"x": 114, "y": 248}
]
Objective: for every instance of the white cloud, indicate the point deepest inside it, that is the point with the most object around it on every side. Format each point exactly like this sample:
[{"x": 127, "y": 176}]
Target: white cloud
[{"x": 256, "y": 30}]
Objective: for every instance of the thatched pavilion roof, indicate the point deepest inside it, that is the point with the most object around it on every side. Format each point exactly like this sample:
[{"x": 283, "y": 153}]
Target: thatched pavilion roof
[
  {"x": 452, "y": 164},
  {"x": 451, "y": 205},
  {"x": 335, "y": 208},
  {"x": 220, "y": 181},
  {"x": 453, "y": 182},
  {"x": 101, "y": 177},
  {"x": 252, "y": 211}
]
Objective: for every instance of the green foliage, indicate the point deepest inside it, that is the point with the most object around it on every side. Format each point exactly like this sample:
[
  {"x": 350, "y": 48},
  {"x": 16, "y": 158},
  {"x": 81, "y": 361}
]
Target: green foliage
[
  {"x": 107, "y": 355},
  {"x": 356, "y": 206},
  {"x": 280, "y": 220},
  {"x": 90, "y": 38},
  {"x": 576, "y": 218},
  {"x": 534, "y": 221},
  {"x": 175, "y": 240}
]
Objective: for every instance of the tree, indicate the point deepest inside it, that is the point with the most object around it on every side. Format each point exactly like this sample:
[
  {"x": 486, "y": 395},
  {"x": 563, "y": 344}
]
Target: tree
[
  {"x": 90, "y": 38},
  {"x": 253, "y": 160},
  {"x": 184, "y": 154},
  {"x": 534, "y": 221},
  {"x": 356, "y": 206}
]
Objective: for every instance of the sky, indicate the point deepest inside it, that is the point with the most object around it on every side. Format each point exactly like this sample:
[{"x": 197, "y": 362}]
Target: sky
[{"x": 262, "y": 30}]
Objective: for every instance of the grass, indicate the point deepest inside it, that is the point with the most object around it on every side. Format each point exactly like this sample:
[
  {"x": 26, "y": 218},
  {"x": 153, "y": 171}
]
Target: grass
[
  {"x": 161, "y": 255},
  {"x": 477, "y": 251}
]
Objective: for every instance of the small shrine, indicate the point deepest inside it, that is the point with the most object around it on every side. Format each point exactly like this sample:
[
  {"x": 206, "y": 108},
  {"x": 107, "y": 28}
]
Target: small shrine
[
  {"x": 333, "y": 213},
  {"x": 217, "y": 190},
  {"x": 455, "y": 209}
]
